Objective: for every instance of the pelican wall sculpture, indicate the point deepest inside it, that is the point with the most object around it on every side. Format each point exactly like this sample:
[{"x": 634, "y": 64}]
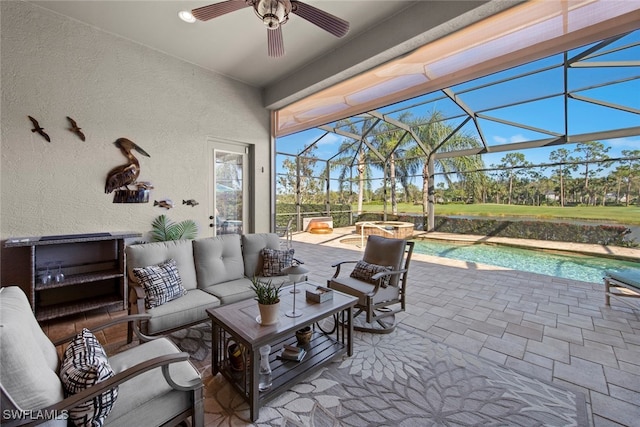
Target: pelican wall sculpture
[{"x": 120, "y": 177}]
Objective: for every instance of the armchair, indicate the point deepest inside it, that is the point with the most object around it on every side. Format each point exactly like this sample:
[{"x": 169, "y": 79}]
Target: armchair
[
  {"x": 157, "y": 385},
  {"x": 379, "y": 281}
]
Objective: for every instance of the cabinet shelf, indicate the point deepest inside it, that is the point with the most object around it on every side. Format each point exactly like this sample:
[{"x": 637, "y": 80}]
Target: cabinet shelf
[
  {"x": 75, "y": 279},
  {"x": 66, "y": 309},
  {"x": 93, "y": 266}
]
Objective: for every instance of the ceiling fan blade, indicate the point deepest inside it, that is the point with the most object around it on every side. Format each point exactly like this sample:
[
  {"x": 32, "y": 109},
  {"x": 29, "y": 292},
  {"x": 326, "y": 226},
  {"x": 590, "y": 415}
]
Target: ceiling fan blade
[
  {"x": 275, "y": 42},
  {"x": 328, "y": 22},
  {"x": 211, "y": 11}
]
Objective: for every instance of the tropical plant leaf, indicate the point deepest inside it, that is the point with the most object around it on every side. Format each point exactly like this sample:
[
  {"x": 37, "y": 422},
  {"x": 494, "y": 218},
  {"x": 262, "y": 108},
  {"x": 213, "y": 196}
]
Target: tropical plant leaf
[
  {"x": 160, "y": 229},
  {"x": 163, "y": 229},
  {"x": 186, "y": 229}
]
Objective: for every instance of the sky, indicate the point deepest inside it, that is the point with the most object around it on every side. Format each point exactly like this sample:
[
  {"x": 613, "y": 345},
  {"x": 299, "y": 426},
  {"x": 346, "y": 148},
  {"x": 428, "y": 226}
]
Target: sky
[{"x": 612, "y": 84}]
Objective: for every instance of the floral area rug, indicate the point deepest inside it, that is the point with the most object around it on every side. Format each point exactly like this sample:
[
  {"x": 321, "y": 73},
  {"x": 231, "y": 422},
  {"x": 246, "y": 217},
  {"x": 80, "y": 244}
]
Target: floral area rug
[{"x": 400, "y": 379}]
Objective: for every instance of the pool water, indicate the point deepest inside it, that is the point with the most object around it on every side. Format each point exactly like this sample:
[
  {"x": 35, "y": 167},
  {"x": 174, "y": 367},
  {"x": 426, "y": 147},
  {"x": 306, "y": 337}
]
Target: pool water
[{"x": 577, "y": 267}]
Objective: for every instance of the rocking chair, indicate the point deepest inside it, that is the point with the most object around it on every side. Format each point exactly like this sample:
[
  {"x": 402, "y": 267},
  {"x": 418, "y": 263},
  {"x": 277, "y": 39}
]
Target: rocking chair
[{"x": 379, "y": 281}]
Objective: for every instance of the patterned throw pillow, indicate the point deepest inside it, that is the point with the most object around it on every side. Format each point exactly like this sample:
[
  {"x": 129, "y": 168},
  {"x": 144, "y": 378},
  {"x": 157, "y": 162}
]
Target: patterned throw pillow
[
  {"x": 364, "y": 271},
  {"x": 161, "y": 283},
  {"x": 274, "y": 261},
  {"x": 85, "y": 364}
]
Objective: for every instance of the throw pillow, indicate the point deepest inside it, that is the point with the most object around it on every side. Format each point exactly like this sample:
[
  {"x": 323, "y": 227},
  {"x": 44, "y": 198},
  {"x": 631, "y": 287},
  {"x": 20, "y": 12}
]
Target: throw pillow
[
  {"x": 364, "y": 271},
  {"x": 85, "y": 364},
  {"x": 161, "y": 283},
  {"x": 274, "y": 261}
]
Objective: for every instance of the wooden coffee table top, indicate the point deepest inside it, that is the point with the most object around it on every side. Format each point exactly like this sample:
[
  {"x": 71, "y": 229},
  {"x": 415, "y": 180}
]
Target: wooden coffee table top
[{"x": 241, "y": 317}]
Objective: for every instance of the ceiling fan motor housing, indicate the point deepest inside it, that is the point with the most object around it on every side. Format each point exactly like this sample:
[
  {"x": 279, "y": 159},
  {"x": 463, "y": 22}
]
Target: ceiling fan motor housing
[{"x": 273, "y": 12}]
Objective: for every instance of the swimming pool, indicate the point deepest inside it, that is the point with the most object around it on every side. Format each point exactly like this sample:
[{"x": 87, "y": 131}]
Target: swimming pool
[{"x": 577, "y": 267}]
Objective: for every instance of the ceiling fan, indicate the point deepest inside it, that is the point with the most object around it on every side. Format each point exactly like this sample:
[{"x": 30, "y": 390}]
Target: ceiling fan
[{"x": 275, "y": 13}]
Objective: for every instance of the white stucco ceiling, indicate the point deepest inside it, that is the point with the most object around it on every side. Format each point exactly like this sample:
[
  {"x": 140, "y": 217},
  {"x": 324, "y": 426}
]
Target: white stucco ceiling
[{"x": 235, "y": 44}]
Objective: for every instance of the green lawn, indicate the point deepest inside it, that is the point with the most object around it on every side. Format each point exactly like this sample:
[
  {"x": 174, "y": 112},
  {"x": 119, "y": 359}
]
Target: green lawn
[{"x": 619, "y": 214}]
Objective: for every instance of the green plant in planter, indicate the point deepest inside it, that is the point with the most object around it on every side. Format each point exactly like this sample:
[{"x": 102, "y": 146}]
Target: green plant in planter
[
  {"x": 266, "y": 293},
  {"x": 163, "y": 229}
]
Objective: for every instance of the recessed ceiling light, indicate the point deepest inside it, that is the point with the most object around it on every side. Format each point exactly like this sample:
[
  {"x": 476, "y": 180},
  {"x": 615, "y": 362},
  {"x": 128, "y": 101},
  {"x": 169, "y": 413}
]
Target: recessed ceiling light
[{"x": 186, "y": 16}]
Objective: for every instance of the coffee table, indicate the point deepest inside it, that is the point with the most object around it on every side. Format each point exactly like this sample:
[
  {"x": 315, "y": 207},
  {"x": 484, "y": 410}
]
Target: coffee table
[{"x": 237, "y": 323}]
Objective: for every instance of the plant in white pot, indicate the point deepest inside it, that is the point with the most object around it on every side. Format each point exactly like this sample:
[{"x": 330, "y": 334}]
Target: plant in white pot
[{"x": 268, "y": 297}]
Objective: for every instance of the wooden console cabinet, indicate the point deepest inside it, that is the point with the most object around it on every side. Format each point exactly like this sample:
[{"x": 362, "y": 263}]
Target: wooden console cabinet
[{"x": 94, "y": 272}]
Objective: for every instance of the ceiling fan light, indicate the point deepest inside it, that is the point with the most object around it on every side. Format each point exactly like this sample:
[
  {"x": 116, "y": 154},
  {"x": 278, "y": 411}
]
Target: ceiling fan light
[
  {"x": 186, "y": 16},
  {"x": 273, "y": 12}
]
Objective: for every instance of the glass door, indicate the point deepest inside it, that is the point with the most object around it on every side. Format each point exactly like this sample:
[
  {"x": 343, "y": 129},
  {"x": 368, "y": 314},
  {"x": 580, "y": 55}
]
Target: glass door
[{"x": 230, "y": 184}]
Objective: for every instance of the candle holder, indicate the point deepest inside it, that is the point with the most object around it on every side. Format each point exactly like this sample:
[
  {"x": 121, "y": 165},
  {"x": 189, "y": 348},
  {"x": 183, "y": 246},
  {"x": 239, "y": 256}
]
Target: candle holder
[{"x": 297, "y": 273}]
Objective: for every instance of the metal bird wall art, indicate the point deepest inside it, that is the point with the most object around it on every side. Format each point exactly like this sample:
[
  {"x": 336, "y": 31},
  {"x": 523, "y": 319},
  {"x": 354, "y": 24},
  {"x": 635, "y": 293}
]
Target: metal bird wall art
[
  {"x": 75, "y": 129},
  {"x": 39, "y": 129},
  {"x": 127, "y": 174}
]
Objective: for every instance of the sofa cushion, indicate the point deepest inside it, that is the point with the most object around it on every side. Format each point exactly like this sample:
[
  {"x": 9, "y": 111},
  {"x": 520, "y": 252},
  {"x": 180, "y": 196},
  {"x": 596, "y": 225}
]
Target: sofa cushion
[
  {"x": 218, "y": 259},
  {"x": 252, "y": 244},
  {"x": 29, "y": 368},
  {"x": 232, "y": 291},
  {"x": 161, "y": 283},
  {"x": 364, "y": 271},
  {"x": 183, "y": 311},
  {"x": 85, "y": 364},
  {"x": 275, "y": 260},
  {"x": 149, "y": 396},
  {"x": 147, "y": 254}
]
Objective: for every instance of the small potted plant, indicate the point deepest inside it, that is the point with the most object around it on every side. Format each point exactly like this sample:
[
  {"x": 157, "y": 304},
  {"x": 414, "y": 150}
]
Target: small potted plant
[{"x": 268, "y": 297}]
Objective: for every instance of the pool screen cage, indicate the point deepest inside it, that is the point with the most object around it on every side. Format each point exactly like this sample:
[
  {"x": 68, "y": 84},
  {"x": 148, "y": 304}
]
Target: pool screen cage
[{"x": 471, "y": 141}]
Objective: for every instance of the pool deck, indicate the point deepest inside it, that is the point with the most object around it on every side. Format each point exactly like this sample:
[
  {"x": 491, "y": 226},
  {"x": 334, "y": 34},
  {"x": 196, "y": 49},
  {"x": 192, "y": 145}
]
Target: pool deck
[{"x": 550, "y": 328}]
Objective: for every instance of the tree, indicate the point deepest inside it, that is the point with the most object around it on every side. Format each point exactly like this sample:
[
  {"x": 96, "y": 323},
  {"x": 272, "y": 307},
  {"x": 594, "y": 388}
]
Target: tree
[
  {"x": 433, "y": 131},
  {"x": 632, "y": 171},
  {"x": 561, "y": 156},
  {"x": 510, "y": 162},
  {"x": 303, "y": 183},
  {"x": 353, "y": 152},
  {"x": 591, "y": 152}
]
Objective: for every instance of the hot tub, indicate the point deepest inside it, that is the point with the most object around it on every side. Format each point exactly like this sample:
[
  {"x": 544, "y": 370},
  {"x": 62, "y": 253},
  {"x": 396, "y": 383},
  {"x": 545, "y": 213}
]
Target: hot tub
[{"x": 394, "y": 229}]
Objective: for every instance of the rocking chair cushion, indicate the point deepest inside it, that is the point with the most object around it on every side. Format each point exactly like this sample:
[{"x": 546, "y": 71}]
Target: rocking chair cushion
[
  {"x": 85, "y": 364},
  {"x": 275, "y": 260},
  {"x": 364, "y": 271},
  {"x": 161, "y": 283}
]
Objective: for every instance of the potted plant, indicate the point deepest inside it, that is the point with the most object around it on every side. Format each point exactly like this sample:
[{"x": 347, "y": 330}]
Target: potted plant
[{"x": 268, "y": 297}]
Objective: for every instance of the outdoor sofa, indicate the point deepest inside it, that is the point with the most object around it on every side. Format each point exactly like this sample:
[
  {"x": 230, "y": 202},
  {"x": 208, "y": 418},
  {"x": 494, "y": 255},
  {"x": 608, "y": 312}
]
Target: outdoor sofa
[{"x": 213, "y": 271}]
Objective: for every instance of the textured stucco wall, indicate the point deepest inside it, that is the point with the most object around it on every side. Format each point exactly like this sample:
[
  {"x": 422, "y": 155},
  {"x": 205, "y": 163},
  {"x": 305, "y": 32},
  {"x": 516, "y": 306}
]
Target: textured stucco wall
[{"x": 53, "y": 67}]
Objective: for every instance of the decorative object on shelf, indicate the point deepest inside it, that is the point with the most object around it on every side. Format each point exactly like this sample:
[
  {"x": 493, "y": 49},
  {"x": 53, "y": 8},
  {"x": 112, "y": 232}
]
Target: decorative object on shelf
[
  {"x": 290, "y": 352},
  {"x": 319, "y": 294},
  {"x": 59, "y": 277},
  {"x": 163, "y": 229},
  {"x": 75, "y": 129},
  {"x": 236, "y": 357},
  {"x": 274, "y": 14},
  {"x": 164, "y": 203},
  {"x": 126, "y": 174},
  {"x": 304, "y": 335},
  {"x": 264, "y": 380},
  {"x": 297, "y": 273},
  {"x": 190, "y": 202},
  {"x": 268, "y": 297},
  {"x": 39, "y": 129}
]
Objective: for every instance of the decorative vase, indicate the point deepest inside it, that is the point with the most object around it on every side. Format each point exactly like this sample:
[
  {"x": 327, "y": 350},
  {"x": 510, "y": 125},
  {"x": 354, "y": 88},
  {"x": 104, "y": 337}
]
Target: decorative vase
[
  {"x": 269, "y": 313},
  {"x": 304, "y": 335}
]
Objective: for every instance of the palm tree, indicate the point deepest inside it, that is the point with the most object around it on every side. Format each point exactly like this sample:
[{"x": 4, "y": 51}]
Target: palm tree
[
  {"x": 432, "y": 132},
  {"x": 389, "y": 141},
  {"x": 350, "y": 152}
]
